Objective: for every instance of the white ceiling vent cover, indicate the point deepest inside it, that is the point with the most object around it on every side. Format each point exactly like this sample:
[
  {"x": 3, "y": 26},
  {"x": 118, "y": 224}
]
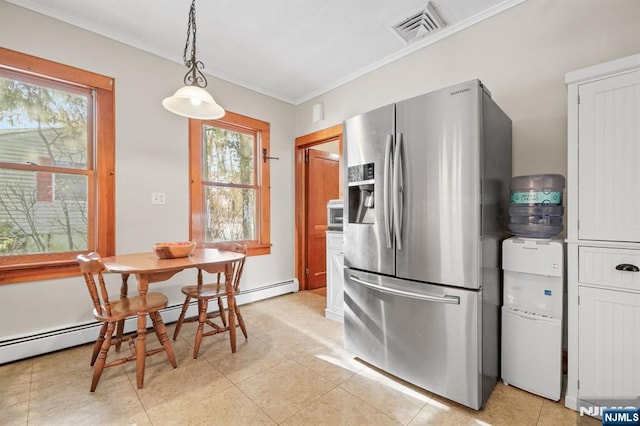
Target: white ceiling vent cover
[{"x": 419, "y": 24}]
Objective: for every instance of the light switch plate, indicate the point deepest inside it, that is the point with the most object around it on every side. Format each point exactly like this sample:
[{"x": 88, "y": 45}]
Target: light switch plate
[{"x": 159, "y": 198}]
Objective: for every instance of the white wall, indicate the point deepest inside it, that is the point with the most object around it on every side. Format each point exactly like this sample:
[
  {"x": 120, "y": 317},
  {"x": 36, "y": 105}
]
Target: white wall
[
  {"x": 151, "y": 155},
  {"x": 521, "y": 55}
]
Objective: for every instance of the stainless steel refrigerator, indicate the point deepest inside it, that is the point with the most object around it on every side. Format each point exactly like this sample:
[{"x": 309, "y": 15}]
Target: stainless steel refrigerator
[{"x": 426, "y": 208}]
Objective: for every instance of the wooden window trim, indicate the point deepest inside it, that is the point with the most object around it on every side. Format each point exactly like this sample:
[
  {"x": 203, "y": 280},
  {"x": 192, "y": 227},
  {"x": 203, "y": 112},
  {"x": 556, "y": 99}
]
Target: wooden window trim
[
  {"x": 263, "y": 243},
  {"x": 15, "y": 269}
]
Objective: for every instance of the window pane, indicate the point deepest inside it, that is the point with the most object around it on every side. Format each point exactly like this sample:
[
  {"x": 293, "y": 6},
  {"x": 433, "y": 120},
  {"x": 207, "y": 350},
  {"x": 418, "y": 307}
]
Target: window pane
[
  {"x": 42, "y": 212},
  {"x": 230, "y": 214},
  {"x": 228, "y": 156},
  {"x": 70, "y": 187},
  {"x": 42, "y": 125}
]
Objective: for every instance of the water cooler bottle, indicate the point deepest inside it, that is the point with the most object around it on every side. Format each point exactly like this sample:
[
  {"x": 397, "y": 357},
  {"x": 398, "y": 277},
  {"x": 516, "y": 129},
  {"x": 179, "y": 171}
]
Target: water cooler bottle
[{"x": 532, "y": 315}]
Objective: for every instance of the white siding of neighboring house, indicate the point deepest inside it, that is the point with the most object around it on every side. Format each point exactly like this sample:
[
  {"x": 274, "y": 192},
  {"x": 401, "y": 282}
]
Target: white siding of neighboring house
[{"x": 48, "y": 215}]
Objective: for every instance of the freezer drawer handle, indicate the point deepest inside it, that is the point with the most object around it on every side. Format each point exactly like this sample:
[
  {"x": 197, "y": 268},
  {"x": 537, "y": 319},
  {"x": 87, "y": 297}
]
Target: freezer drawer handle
[
  {"x": 454, "y": 300},
  {"x": 628, "y": 267}
]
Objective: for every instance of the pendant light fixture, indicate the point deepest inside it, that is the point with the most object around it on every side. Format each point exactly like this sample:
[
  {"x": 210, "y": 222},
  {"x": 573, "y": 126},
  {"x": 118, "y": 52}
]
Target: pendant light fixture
[{"x": 192, "y": 100}]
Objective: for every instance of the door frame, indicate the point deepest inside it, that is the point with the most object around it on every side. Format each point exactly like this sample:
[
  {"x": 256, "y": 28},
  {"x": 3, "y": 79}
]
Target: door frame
[{"x": 302, "y": 143}]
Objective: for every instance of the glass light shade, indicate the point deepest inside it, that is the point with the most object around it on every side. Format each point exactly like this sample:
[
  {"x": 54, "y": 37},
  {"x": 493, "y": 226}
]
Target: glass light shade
[{"x": 193, "y": 102}]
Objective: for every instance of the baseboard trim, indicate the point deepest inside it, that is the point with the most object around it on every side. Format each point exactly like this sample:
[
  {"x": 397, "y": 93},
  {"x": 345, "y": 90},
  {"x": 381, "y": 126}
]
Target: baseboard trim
[
  {"x": 335, "y": 316},
  {"x": 571, "y": 402},
  {"x": 21, "y": 347}
]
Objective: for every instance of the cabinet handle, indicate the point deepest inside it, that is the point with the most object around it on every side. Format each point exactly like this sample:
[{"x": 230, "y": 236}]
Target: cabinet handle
[{"x": 627, "y": 267}]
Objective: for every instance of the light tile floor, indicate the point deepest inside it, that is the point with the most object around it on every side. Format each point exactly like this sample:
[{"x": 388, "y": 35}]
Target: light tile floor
[{"x": 291, "y": 371}]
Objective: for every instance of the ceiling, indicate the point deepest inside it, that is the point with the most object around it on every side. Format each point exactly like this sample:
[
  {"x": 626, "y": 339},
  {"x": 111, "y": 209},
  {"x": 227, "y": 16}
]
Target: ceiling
[{"x": 292, "y": 50}]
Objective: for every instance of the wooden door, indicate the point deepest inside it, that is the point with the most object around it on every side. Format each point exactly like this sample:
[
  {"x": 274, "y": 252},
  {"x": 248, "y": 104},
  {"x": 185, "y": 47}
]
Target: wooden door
[{"x": 322, "y": 186}]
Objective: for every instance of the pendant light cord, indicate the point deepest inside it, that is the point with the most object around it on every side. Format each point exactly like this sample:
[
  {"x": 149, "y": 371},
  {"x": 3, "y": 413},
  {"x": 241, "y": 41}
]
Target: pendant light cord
[{"x": 193, "y": 77}]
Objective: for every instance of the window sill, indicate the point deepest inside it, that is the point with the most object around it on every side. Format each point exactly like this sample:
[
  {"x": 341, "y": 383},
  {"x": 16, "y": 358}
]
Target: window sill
[
  {"x": 41, "y": 272},
  {"x": 253, "y": 248},
  {"x": 259, "y": 250}
]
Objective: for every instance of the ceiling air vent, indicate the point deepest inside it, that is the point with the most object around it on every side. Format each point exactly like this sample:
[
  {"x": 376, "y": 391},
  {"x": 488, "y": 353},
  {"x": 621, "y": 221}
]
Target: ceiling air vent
[{"x": 419, "y": 24}]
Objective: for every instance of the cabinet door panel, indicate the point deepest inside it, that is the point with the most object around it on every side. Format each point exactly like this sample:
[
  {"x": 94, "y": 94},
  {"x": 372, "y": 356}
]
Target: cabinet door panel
[
  {"x": 609, "y": 154},
  {"x": 335, "y": 276},
  {"x": 609, "y": 341},
  {"x": 336, "y": 269}
]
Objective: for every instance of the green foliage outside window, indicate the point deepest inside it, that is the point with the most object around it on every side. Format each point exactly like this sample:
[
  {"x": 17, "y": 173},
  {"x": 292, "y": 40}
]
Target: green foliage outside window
[{"x": 230, "y": 184}]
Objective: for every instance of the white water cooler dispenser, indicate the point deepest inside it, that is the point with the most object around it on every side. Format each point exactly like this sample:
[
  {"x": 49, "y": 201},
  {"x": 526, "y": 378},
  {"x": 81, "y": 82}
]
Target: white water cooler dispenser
[{"x": 532, "y": 315}]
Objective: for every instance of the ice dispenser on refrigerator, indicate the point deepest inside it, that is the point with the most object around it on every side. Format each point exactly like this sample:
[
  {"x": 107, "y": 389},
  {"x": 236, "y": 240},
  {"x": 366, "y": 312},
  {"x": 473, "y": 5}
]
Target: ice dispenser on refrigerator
[
  {"x": 532, "y": 315},
  {"x": 361, "y": 193}
]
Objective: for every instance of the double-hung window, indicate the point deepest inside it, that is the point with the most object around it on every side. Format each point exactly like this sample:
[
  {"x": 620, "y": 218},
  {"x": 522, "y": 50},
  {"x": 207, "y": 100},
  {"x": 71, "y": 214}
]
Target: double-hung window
[
  {"x": 56, "y": 167},
  {"x": 230, "y": 182}
]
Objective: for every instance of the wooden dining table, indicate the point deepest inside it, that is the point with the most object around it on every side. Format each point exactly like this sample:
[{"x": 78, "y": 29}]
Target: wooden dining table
[{"x": 148, "y": 268}]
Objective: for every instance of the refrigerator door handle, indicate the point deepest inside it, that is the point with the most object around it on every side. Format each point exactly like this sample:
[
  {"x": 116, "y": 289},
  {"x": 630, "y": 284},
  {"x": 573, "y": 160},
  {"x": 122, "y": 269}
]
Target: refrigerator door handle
[
  {"x": 398, "y": 189},
  {"x": 388, "y": 212},
  {"x": 454, "y": 300}
]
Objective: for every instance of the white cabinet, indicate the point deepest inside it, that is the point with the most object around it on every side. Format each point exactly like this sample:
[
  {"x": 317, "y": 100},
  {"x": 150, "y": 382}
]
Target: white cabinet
[
  {"x": 603, "y": 233},
  {"x": 608, "y": 159},
  {"x": 335, "y": 276},
  {"x": 609, "y": 344}
]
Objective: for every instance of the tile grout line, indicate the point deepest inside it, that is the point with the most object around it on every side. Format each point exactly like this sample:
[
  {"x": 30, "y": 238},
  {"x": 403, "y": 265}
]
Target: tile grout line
[{"x": 135, "y": 390}]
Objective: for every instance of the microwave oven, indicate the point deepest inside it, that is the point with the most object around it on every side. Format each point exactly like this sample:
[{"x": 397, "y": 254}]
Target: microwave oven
[{"x": 335, "y": 211}]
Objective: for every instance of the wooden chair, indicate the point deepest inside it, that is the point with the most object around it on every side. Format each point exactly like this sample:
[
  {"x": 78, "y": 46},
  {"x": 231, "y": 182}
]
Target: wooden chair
[
  {"x": 114, "y": 313},
  {"x": 205, "y": 292}
]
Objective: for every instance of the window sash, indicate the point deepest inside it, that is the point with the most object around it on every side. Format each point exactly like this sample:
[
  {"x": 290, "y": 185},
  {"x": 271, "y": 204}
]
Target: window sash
[
  {"x": 233, "y": 122},
  {"x": 101, "y": 236},
  {"x": 225, "y": 222},
  {"x": 208, "y": 163},
  {"x": 43, "y": 222}
]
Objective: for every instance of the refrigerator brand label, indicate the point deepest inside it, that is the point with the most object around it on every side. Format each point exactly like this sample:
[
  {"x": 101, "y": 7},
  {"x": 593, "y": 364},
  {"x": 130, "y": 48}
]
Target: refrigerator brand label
[
  {"x": 457, "y": 92},
  {"x": 533, "y": 197}
]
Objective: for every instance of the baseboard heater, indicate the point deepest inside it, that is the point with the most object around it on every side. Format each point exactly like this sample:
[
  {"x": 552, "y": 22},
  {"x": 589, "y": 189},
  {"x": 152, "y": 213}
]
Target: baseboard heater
[{"x": 26, "y": 346}]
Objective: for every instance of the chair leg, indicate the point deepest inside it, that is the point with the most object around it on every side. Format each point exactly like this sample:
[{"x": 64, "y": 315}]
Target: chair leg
[
  {"x": 102, "y": 359},
  {"x": 202, "y": 317},
  {"x": 241, "y": 322},
  {"x": 185, "y": 306},
  {"x": 119, "y": 332},
  {"x": 232, "y": 323},
  {"x": 223, "y": 317},
  {"x": 98, "y": 344},
  {"x": 161, "y": 334}
]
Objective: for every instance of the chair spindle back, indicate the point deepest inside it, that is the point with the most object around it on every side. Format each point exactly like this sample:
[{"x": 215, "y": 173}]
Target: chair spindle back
[
  {"x": 238, "y": 266},
  {"x": 91, "y": 267}
]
